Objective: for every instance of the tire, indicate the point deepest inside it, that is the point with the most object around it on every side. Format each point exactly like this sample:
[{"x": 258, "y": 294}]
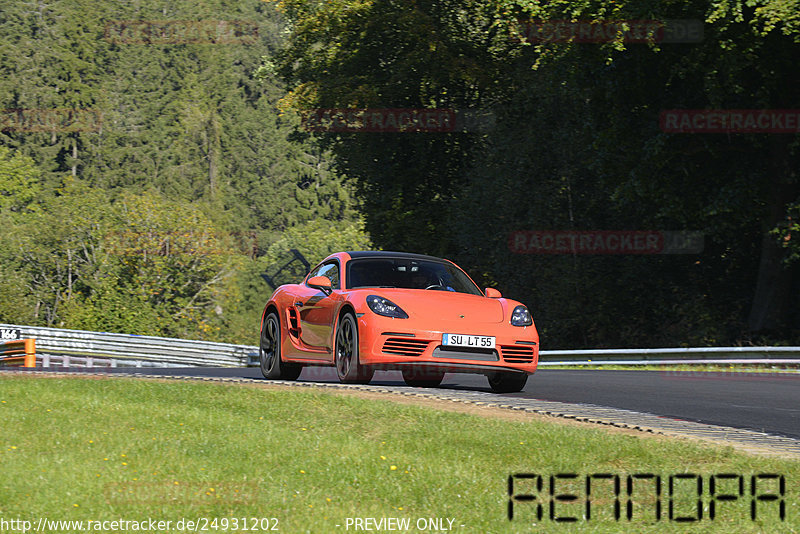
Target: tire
[
  {"x": 345, "y": 353},
  {"x": 507, "y": 382},
  {"x": 422, "y": 379},
  {"x": 269, "y": 352}
]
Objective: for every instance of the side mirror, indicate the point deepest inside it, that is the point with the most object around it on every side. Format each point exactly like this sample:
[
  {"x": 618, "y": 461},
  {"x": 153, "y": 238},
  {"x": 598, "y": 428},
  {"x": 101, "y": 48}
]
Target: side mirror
[
  {"x": 322, "y": 283},
  {"x": 492, "y": 293}
]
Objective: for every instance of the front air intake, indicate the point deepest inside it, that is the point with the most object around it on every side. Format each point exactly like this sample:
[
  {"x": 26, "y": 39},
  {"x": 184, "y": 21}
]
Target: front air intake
[
  {"x": 405, "y": 346},
  {"x": 517, "y": 353}
]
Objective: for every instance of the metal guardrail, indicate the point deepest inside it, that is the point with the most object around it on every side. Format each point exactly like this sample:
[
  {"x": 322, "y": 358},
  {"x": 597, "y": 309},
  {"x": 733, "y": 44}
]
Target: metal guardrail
[
  {"x": 78, "y": 348},
  {"x": 672, "y": 356}
]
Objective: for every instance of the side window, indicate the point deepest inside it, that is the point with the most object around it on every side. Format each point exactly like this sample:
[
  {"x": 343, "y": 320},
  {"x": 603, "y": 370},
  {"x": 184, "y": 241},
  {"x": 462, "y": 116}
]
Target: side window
[{"x": 330, "y": 271}]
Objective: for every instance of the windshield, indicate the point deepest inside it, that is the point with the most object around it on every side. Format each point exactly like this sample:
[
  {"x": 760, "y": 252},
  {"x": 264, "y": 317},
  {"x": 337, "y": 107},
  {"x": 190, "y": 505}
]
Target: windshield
[{"x": 408, "y": 274}]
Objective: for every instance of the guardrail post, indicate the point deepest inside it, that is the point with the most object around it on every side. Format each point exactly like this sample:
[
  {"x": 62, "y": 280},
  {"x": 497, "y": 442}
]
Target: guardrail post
[{"x": 30, "y": 353}]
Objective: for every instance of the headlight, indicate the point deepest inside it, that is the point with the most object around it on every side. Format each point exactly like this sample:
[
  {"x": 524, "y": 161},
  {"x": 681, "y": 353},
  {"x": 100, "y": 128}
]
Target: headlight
[
  {"x": 521, "y": 317},
  {"x": 385, "y": 307}
]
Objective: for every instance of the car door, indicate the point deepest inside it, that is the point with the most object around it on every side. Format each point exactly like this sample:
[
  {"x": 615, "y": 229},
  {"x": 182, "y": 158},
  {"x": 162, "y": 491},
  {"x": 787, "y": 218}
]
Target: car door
[{"x": 317, "y": 309}]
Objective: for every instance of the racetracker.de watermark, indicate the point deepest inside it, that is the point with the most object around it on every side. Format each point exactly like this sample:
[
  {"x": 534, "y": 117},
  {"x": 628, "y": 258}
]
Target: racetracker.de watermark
[
  {"x": 156, "y": 32},
  {"x": 730, "y": 121},
  {"x": 605, "y": 242},
  {"x": 396, "y": 120},
  {"x": 40, "y": 120},
  {"x": 140, "y": 525},
  {"x": 609, "y": 31}
]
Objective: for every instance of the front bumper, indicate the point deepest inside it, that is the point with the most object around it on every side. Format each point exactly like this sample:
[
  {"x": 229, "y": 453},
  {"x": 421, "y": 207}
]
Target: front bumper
[{"x": 384, "y": 343}]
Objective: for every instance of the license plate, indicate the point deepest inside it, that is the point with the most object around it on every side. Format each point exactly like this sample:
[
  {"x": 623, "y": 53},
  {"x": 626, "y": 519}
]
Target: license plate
[{"x": 461, "y": 340}]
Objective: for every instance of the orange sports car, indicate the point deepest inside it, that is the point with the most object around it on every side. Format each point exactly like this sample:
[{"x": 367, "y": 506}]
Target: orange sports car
[{"x": 362, "y": 311}]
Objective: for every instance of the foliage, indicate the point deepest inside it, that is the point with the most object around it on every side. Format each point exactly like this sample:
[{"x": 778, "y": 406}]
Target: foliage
[
  {"x": 132, "y": 265},
  {"x": 18, "y": 180},
  {"x": 789, "y": 233},
  {"x": 149, "y": 215},
  {"x": 201, "y": 144},
  {"x": 318, "y": 239},
  {"x": 576, "y": 145}
]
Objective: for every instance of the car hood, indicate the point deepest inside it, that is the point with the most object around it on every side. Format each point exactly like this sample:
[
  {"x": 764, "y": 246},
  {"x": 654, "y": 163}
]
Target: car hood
[{"x": 432, "y": 305}]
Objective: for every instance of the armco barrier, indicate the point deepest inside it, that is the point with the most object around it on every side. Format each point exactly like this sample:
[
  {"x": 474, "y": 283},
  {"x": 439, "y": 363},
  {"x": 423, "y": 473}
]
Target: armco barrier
[
  {"x": 672, "y": 356},
  {"x": 78, "y": 348},
  {"x": 18, "y": 353}
]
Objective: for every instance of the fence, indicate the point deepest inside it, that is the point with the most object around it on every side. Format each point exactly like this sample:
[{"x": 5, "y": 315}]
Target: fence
[
  {"x": 78, "y": 348},
  {"x": 672, "y": 356}
]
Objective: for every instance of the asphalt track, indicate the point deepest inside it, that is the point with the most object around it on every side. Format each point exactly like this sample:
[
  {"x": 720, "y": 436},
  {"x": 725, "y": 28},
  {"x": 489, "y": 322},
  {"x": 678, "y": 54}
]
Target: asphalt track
[{"x": 761, "y": 402}]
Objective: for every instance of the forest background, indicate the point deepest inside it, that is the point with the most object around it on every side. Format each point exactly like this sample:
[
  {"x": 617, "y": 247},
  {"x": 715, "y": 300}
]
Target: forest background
[{"x": 147, "y": 180}]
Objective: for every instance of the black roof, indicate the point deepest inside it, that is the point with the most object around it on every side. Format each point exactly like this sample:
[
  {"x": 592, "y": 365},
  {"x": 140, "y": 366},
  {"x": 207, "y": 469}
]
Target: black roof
[{"x": 389, "y": 254}]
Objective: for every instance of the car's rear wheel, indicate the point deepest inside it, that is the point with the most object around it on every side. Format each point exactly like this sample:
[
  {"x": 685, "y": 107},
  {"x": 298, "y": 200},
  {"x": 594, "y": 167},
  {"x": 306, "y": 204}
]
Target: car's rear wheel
[
  {"x": 507, "y": 382},
  {"x": 269, "y": 352},
  {"x": 422, "y": 379},
  {"x": 348, "y": 367}
]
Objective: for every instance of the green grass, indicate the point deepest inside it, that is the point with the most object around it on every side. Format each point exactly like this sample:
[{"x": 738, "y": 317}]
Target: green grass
[{"x": 104, "y": 449}]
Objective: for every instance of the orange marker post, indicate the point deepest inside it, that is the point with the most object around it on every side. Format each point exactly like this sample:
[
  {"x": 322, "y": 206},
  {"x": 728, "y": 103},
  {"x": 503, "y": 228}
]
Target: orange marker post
[{"x": 30, "y": 353}]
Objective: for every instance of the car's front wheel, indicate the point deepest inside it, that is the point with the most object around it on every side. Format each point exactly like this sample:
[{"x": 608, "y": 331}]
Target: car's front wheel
[
  {"x": 422, "y": 379},
  {"x": 269, "y": 352},
  {"x": 348, "y": 367},
  {"x": 503, "y": 382}
]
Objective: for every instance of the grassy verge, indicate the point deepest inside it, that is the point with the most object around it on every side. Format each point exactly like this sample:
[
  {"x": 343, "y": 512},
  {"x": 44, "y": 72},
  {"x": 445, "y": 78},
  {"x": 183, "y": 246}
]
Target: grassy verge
[{"x": 105, "y": 449}]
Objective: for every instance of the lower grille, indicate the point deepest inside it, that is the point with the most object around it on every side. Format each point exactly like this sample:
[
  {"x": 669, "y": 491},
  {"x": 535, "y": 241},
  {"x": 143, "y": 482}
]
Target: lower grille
[
  {"x": 405, "y": 346},
  {"x": 464, "y": 353},
  {"x": 517, "y": 353}
]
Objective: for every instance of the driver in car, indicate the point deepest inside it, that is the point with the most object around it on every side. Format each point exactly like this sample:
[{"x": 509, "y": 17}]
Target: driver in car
[{"x": 426, "y": 279}]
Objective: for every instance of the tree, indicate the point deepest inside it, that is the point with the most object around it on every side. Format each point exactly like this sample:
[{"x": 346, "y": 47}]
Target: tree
[
  {"x": 147, "y": 137},
  {"x": 576, "y": 144},
  {"x": 18, "y": 180}
]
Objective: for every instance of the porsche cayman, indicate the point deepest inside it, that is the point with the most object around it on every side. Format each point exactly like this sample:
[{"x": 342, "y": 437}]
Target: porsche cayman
[{"x": 377, "y": 310}]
